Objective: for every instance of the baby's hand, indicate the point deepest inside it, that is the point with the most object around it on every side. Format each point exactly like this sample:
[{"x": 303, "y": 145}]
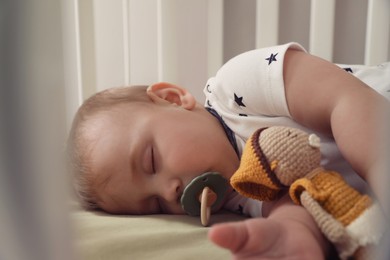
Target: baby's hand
[{"x": 265, "y": 238}]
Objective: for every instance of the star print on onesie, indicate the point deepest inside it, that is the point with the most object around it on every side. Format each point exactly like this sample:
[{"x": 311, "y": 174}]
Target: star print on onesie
[
  {"x": 246, "y": 85},
  {"x": 238, "y": 100},
  {"x": 249, "y": 85},
  {"x": 255, "y": 79},
  {"x": 271, "y": 58},
  {"x": 348, "y": 70}
]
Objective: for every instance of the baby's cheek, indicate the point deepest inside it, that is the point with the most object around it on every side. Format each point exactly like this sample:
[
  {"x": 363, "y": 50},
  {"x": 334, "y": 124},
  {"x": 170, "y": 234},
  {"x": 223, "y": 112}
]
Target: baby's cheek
[{"x": 184, "y": 161}]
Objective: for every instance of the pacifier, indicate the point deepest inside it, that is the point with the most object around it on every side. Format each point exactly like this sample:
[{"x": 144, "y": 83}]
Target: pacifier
[{"x": 203, "y": 195}]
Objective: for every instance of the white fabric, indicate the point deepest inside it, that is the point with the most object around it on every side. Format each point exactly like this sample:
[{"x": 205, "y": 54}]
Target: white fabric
[
  {"x": 244, "y": 206},
  {"x": 248, "y": 93},
  {"x": 377, "y": 77}
]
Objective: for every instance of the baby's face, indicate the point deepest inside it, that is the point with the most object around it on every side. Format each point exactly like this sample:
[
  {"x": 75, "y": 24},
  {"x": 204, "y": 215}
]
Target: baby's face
[{"x": 143, "y": 157}]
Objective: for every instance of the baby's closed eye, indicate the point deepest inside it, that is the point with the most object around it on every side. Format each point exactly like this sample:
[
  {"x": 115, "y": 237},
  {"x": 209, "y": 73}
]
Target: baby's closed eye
[
  {"x": 152, "y": 161},
  {"x": 148, "y": 161}
]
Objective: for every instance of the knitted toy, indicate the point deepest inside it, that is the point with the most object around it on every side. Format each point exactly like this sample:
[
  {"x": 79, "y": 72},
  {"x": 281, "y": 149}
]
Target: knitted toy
[{"x": 280, "y": 158}]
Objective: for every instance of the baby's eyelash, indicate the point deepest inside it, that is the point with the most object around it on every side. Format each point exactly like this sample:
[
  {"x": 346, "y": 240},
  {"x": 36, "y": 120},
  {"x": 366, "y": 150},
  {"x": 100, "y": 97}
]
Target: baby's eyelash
[{"x": 153, "y": 166}]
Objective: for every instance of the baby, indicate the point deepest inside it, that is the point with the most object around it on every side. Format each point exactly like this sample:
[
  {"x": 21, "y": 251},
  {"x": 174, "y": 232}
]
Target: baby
[{"x": 135, "y": 149}]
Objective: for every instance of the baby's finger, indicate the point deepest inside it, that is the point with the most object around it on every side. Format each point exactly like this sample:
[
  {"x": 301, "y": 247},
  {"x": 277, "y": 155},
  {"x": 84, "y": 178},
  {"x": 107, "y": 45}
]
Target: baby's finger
[
  {"x": 232, "y": 236},
  {"x": 245, "y": 238}
]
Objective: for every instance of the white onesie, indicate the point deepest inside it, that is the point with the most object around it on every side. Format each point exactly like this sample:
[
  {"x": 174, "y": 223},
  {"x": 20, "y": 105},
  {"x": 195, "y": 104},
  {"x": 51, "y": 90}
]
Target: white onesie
[{"x": 248, "y": 93}]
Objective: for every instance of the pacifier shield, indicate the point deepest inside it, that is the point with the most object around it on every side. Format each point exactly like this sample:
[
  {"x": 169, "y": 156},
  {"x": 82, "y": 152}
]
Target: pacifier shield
[{"x": 190, "y": 198}]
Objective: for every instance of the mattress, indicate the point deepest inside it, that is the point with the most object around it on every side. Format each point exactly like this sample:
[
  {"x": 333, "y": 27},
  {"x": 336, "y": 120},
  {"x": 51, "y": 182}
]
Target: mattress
[{"x": 98, "y": 235}]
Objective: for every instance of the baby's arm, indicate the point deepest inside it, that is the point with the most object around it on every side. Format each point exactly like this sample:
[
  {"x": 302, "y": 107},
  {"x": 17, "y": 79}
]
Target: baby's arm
[
  {"x": 287, "y": 232},
  {"x": 324, "y": 97}
]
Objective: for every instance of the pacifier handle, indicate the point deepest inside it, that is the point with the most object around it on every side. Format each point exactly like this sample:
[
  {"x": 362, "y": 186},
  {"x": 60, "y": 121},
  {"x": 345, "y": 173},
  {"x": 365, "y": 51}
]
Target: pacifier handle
[
  {"x": 204, "y": 194},
  {"x": 207, "y": 198}
]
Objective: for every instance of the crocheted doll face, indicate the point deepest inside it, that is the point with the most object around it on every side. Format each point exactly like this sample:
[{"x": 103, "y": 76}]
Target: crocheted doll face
[
  {"x": 292, "y": 152},
  {"x": 143, "y": 155}
]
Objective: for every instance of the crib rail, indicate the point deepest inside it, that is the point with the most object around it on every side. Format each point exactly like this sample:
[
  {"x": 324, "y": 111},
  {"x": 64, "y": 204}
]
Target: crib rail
[
  {"x": 124, "y": 42},
  {"x": 377, "y": 34}
]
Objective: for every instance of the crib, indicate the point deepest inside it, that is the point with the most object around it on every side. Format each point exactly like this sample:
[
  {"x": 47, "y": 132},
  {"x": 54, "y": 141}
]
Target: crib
[
  {"x": 128, "y": 42},
  {"x": 108, "y": 43}
]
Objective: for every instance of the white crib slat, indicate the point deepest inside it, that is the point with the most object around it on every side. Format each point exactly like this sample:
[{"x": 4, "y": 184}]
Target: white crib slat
[
  {"x": 377, "y": 34},
  {"x": 142, "y": 45},
  {"x": 167, "y": 40},
  {"x": 72, "y": 61},
  {"x": 126, "y": 40},
  {"x": 193, "y": 45},
  {"x": 267, "y": 23},
  {"x": 214, "y": 36},
  {"x": 109, "y": 49},
  {"x": 322, "y": 28},
  {"x": 87, "y": 53}
]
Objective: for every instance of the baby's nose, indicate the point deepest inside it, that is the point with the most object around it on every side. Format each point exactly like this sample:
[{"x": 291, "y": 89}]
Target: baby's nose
[{"x": 171, "y": 190}]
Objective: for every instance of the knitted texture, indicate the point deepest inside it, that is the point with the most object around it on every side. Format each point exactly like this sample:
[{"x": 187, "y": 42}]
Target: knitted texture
[
  {"x": 333, "y": 194},
  {"x": 255, "y": 178},
  {"x": 276, "y": 158},
  {"x": 350, "y": 220},
  {"x": 272, "y": 159},
  {"x": 290, "y": 149},
  {"x": 333, "y": 230}
]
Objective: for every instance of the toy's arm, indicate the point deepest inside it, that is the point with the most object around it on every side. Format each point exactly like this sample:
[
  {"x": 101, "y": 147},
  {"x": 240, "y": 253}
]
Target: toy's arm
[{"x": 351, "y": 221}]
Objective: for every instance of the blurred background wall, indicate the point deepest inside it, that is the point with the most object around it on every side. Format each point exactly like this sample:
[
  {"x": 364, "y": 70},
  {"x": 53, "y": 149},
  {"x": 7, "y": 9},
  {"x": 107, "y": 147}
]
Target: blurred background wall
[{"x": 56, "y": 53}]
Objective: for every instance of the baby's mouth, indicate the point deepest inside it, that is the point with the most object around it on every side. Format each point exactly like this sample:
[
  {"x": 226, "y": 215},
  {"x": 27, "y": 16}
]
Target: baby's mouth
[{"x": 190, "y": 197}]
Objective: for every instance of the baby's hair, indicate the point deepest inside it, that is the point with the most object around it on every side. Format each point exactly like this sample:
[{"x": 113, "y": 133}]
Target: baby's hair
[{"x": 77, "y": 145}]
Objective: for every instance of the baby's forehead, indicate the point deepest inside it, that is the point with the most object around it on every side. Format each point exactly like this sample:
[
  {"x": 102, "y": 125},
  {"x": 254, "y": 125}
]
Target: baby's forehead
[
  {"x": 91, "y": 131},
  {"x": 104, "y": 126},
  {"x": 106, "y": 116},
  {"x": 98, "y": 138},
  {"x": 126, "y": 109},
  {"x": 108, "y": 124},
  {"x": 94, "y": 125}
]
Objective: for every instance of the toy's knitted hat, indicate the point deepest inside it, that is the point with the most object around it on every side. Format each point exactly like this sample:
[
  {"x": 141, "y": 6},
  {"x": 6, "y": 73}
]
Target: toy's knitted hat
[{"x": 272, "y": 159}]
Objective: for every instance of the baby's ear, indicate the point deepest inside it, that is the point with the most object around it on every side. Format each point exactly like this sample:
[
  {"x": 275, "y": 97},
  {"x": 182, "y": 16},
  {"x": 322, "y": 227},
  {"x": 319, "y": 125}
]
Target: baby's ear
[{"x": 174, "y": 94}]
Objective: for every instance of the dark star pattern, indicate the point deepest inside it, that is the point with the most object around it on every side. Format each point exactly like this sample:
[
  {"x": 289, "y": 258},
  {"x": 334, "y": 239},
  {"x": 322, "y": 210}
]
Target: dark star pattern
[
  {"x": 208, "y": 88},
  {"x": 271, "y": 58},
  {"x": 238, "y": 100},
  {"x": 348, "y": 70}
]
